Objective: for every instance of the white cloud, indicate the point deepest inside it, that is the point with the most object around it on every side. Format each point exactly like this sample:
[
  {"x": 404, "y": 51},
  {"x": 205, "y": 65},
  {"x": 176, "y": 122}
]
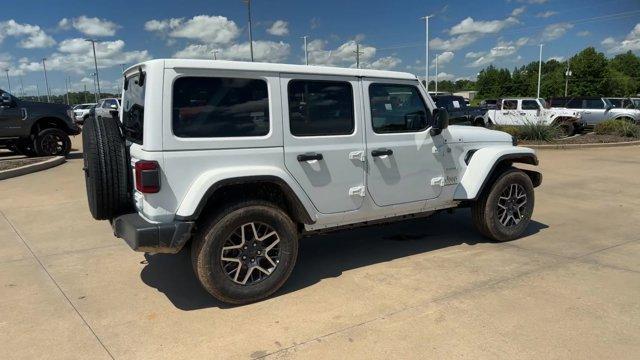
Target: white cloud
[
  {"x": 630, "y": 43},
  {"x": 501, "y": 50},
  {"x": 443, "y": 58},
  {"x": 445, "y": 76},
  {"x": 214, "y": 30},
  {"x": 518, "y": 11},
  {"x": 469, "y": 30},
  {"x": 584, "y": 33},
  {"x": 343, "y": 55},
  {"x": 91, "y": 26},
  {"x": 555, "y": 31},
  {"x": 279, "y": 28},
  {"x": 32, "y": 36},
  {"x": 383, "y": 63},
  {"x": 533, "y": 1},
  {"x": 470, "y": 26},
  {"x": 474, "y": 54},
  {"x": 267, "y": 51},
  {"x": 546, "y": 14},
  {"x": 76, "y": 55}
]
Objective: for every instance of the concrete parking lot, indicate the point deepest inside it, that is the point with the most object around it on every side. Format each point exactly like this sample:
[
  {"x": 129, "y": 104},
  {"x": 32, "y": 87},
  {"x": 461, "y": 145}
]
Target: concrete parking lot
[{"x": 431, "y": 288}]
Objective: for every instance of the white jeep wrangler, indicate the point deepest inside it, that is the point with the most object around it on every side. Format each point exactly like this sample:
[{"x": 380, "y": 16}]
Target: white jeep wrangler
[
  {"x": 521, "y": 111},
  {"x": 241, "y": 160}
]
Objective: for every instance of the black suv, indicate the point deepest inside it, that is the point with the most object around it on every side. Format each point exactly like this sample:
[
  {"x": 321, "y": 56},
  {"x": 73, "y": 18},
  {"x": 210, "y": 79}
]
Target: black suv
[
  {"x": 459, "y": 112},
  {"x": 35, "y": 128}
]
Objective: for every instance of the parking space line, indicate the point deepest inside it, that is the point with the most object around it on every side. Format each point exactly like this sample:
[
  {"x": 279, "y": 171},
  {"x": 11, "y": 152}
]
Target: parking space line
[{"x": 55, "y": 283}]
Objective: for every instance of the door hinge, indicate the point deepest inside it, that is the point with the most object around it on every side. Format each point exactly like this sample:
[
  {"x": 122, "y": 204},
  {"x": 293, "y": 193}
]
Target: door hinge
[
  {"x": 357, "y": 191},
  {"x": 357, "y": 155}
]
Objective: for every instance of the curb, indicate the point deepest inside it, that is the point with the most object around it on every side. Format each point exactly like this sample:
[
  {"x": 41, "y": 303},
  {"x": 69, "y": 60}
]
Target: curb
[
  {"x": 582, "y": 146},
  {"x": 31, "y": 168}
]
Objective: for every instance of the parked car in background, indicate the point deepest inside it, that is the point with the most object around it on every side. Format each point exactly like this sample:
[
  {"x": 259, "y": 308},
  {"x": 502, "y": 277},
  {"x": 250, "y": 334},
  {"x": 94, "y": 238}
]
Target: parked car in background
[
  {"x": 597, "y": 109},
  {"x": 625, "y": 103},
  {"x": 521, "y": 111},
  {"x": 247, "y": 158},
  {"x": 81, "y": 112},
  {"x": 107, "y": 108},
  {"x": 459, "y": 112},
  {"x": 490, "y": 104},
  {"x": 34, "y": 128}
]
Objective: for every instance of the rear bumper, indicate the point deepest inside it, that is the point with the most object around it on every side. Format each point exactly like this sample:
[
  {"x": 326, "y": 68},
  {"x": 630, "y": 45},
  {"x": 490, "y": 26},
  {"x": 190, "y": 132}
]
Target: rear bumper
[{"x": 142, "y": 235}]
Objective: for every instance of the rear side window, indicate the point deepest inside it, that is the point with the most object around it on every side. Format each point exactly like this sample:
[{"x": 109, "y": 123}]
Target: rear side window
[
  {"x": 594, "y": 104},
  {"x": 319, "y": 108},
  {"x": 220, "y": 107},
  {"x": 133, "y": 109},
  {"x": 530, "y": 105},
  {"x": 397, "y": 108},
  {"x": 574, "y": 104},
  {"x": 510, "y": 105}
]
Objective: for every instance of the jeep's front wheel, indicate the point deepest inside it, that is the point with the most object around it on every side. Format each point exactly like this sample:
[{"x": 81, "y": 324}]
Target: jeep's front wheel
[
  {"x": 246, "y": 252},
  {"x": 504, "y": 211}
]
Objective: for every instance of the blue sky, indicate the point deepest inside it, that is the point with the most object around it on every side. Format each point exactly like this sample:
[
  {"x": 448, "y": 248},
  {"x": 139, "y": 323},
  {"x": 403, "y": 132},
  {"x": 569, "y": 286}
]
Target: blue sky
[{"x": 466, "y": 36}]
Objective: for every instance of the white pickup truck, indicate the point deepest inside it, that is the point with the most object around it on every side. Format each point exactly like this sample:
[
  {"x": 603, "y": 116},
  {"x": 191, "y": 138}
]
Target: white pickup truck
[{"x": 521, "y": 111}]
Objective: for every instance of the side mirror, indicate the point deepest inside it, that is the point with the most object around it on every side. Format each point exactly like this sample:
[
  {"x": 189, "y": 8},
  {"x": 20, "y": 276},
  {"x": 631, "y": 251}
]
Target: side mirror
[
  {"x": 5, "y": 99},
  {"x": 440, "y": 121},
  {"x": 113, "y": 106}
]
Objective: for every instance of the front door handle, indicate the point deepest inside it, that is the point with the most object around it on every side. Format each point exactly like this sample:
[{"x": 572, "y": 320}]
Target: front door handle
[
  {"x": 309, "y": 157},
  {"x": 381, "y": 152}
]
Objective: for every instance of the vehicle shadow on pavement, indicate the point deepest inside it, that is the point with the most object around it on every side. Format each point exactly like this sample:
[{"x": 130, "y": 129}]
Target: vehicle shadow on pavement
[{"x": 327, "y": 256}]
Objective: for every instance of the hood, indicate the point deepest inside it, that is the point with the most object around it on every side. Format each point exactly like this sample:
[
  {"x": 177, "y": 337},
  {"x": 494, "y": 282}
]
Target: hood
[{"x": 460, "y": 133}]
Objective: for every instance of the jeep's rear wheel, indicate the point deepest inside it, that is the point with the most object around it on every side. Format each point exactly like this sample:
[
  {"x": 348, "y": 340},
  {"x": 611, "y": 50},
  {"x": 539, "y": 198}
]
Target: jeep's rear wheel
[
  {"x": 52, "y": 142},
  {"x": 245, "y": 252},
  {"x": 106, "y": 169},
  {"x": 504, "y": 211}
]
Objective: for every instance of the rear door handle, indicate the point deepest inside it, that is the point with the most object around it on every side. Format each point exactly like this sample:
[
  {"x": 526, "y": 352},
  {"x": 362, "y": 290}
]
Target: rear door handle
[
  {"x": 381, "y": 152},
  {"x": 309, "y": 157}
]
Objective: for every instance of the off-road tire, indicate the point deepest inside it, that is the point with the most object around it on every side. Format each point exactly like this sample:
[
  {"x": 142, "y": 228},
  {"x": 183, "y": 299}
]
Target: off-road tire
[
  {"x": 23, "y": 147},
  {"x": 211, "y": 235},
  {"x": 106, "y": 169},
  {"x": 484, "y": 214},
  {"x": 479, "y": 122},
  {"x": 42, "y": 142}
]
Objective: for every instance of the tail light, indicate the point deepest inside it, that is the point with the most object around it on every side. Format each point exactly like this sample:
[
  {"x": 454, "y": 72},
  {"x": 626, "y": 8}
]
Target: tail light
[{"x": 147, "y": 176}]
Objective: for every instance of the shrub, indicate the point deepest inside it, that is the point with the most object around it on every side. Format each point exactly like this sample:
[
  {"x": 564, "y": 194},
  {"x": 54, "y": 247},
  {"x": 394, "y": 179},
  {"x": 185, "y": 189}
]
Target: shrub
[
  {"x": 532, "y": 131},
  {"x": 618, "y": 127}
]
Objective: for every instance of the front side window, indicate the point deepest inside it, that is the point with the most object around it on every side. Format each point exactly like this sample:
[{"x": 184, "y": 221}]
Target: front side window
[
  {"x": 220, "y": 107},
  {"x": 318, "y": 108},
  {"x": 510, "y": 105},
  {"x": 593, "y": 104},
  {"x": 619, "y": 103},
  {"x": 529, "y": 105},
  {"x": 397, "y": 108}
]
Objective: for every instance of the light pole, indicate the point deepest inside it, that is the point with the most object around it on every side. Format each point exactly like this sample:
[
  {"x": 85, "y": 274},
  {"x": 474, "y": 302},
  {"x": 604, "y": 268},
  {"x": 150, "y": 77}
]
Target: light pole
[
  {"x": 358, "y": 52},
  {"x": 38, "y": 91},
  {"x": 306, "y": 52},
  {"x": 66, "y": 86},
  {"x": 248, "y": 2},
  {"x": 95, "y": 94},
  {"x": 426, "y": 51},
  {"x": 215, "y": 54},
  {"x": 95, "y": 63},
  {"x": 539, "y": 71},
  {"x": 567, "y": 74},
  {"x": 22, "y": 87},
  {"x": 46, "y": 81},
  {"x": 436, "y": 73},
  {"x": 8, "y": 81}
]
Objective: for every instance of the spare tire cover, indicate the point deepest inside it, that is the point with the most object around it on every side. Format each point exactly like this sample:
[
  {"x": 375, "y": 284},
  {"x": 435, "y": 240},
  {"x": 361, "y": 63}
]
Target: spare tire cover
[{"x": 106, "y": 168}]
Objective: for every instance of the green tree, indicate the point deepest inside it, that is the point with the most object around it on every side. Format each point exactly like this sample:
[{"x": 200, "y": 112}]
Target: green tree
[{"x": 590, "y": 74}]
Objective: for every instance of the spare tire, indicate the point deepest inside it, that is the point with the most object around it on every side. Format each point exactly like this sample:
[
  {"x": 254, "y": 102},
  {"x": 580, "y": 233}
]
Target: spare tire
[{"x": 106, "y": 169}]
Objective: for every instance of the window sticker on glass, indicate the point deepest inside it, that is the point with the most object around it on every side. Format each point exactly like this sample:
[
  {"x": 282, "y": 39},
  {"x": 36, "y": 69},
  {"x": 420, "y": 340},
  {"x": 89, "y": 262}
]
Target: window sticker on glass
[
  {"x": 388, "y": 107},
  {"x": 456, "y": 104}
]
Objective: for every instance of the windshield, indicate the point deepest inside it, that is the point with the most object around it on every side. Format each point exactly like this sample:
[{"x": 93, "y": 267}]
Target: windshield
[
  {"x": 544, "y": 103},
  {"x": 133, "y": 109},
  {"x": 636, "y": 103}
]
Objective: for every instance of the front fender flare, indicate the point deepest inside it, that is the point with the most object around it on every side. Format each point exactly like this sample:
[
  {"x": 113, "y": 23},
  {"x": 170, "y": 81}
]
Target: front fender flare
[{"x": 482, "y": 165}]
